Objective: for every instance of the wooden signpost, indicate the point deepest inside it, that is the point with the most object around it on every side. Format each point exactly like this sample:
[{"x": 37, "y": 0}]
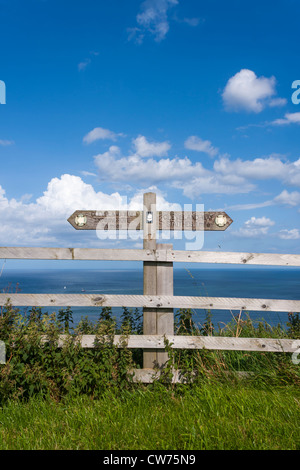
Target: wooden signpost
[
  {"x": 158, "y": 275},
  {"x": 165, "y": 220}
]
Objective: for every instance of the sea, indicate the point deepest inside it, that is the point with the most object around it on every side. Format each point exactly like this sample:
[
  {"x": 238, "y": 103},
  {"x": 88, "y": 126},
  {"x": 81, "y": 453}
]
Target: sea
[{"x": 242, "y": 281}]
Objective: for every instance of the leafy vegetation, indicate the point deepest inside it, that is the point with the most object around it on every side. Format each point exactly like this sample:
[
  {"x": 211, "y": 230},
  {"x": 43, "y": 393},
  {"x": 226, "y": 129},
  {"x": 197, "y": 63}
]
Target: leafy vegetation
[
  {"x": 46, "y": 387},
  {"x": 36, "y": 365}
]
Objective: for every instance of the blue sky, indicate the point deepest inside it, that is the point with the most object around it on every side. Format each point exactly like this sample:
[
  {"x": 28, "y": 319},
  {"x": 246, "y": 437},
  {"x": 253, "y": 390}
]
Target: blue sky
[{"x": 190, "y": 99}]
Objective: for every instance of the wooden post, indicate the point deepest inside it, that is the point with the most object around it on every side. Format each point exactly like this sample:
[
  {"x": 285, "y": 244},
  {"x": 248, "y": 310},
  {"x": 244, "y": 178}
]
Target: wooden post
[
  {"x": 164, "y": 316},
  {"x": 158, "y": 267},
  {"x": 150, "y": 274}
]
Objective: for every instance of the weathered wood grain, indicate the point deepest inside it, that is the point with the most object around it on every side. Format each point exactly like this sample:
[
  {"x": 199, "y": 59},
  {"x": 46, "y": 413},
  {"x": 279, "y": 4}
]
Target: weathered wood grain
[
  {"x": 223, "y": 257},
  {"x": 152, "y": 302},
  {"x": 164, "y": 317},
  {"x": 108, "y": 220},
  {"x": 190, "y": 342},
  {"x": 163, "y": 255},
  {"x": 133, "y": 220},
  {"x": 149, "y": 275}
]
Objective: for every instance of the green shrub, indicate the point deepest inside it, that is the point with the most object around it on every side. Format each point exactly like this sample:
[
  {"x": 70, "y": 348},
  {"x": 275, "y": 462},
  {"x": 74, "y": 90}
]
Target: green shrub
[{"x": 36, "y": 365}]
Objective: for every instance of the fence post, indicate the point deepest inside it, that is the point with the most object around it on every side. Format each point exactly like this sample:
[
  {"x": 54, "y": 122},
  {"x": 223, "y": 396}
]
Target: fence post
[
  {"x": 150, "y": 274},
  {"x": 165, "y": 316}
]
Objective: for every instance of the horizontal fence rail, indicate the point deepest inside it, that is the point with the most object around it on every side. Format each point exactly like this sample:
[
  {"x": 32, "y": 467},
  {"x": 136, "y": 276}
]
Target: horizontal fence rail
[
  {"x": 188, "y": 342},
  {"x": 161, "y": 255},
  {"x": 161, "y": 259},
  {"x": 151, "y": 301}
]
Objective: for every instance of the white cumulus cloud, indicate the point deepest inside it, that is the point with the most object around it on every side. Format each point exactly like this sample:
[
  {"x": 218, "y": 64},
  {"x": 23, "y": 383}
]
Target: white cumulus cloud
[
  {"x": 246, "y": 91},
  {"x": 44, "y": 221},
  {"x": 292, "y": 234},
  {"x": 196, "y": 143},
  {"x": 290, "y": 199},
  {"x": 152, "y": 19},
  {"x": 289, "y": 118},
  {"x": 259, "y": 222},
  {"x": 113, "y": 167},
  {"x": 255, "y": 227},
  {"x": 69, "y": 192},
  {"x": 193, "y": 178},
  {"x": 271, "y": 167},
  {"x": 99, "y": 133},
  {"x": 144, "y": 148}
]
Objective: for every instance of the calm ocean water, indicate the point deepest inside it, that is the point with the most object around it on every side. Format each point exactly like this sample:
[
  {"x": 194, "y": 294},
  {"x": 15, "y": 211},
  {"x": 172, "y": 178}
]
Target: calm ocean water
[{"x": 252, "y": 282}]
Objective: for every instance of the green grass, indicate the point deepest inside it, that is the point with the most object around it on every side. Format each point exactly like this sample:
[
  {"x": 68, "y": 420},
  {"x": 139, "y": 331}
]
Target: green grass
[
  {"x": 73, "y": 398},
  {"x": 213, "y": 415}
]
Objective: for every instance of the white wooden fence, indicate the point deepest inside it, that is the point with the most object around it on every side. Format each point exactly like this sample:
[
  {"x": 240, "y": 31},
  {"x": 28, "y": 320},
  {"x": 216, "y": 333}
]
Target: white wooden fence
[{"x": 162, "y": 303}]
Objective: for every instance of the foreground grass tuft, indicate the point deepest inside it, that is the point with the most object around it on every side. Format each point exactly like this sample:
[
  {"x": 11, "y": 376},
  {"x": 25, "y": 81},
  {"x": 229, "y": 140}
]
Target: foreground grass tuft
[{"x": 212, "y": 416}]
